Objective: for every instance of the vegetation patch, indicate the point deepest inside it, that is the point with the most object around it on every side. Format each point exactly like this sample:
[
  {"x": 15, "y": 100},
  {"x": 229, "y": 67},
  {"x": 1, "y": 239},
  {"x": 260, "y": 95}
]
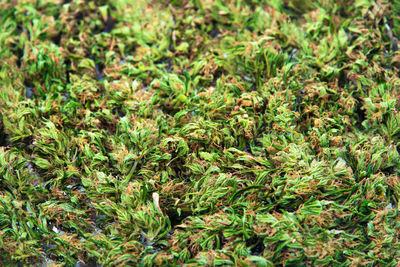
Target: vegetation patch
[{"x": 164, "y": 133}]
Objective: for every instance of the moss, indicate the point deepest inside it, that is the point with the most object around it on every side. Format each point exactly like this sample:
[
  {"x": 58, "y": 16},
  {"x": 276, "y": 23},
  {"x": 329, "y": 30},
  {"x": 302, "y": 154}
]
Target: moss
[{"x": 199, "y": 133}]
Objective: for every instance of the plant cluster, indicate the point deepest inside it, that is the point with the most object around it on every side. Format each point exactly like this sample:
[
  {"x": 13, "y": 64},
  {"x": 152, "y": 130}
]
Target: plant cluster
[{"x": 203, "y": 132}]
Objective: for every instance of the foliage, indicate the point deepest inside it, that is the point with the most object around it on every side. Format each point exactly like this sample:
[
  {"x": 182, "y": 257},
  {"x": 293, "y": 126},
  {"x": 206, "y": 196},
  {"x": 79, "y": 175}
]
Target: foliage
[{"x": 200, "y": 132}]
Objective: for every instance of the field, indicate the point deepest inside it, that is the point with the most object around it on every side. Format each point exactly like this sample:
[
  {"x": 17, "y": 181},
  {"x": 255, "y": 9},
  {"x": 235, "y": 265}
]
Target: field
[{"x": 199, "y": 133}]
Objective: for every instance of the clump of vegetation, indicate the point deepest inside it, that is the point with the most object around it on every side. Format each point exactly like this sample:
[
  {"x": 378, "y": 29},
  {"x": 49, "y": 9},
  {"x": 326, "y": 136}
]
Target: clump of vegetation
[{"x": 199, "y": 132}]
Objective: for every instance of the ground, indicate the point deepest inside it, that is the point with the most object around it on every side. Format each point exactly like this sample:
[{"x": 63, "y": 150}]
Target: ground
[{"x": 164, "y": 133}]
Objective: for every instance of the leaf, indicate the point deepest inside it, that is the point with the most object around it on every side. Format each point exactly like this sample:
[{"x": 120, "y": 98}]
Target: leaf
[
  {"x": 311, "y": 207},
  {"x": 259, "y": 261}
]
